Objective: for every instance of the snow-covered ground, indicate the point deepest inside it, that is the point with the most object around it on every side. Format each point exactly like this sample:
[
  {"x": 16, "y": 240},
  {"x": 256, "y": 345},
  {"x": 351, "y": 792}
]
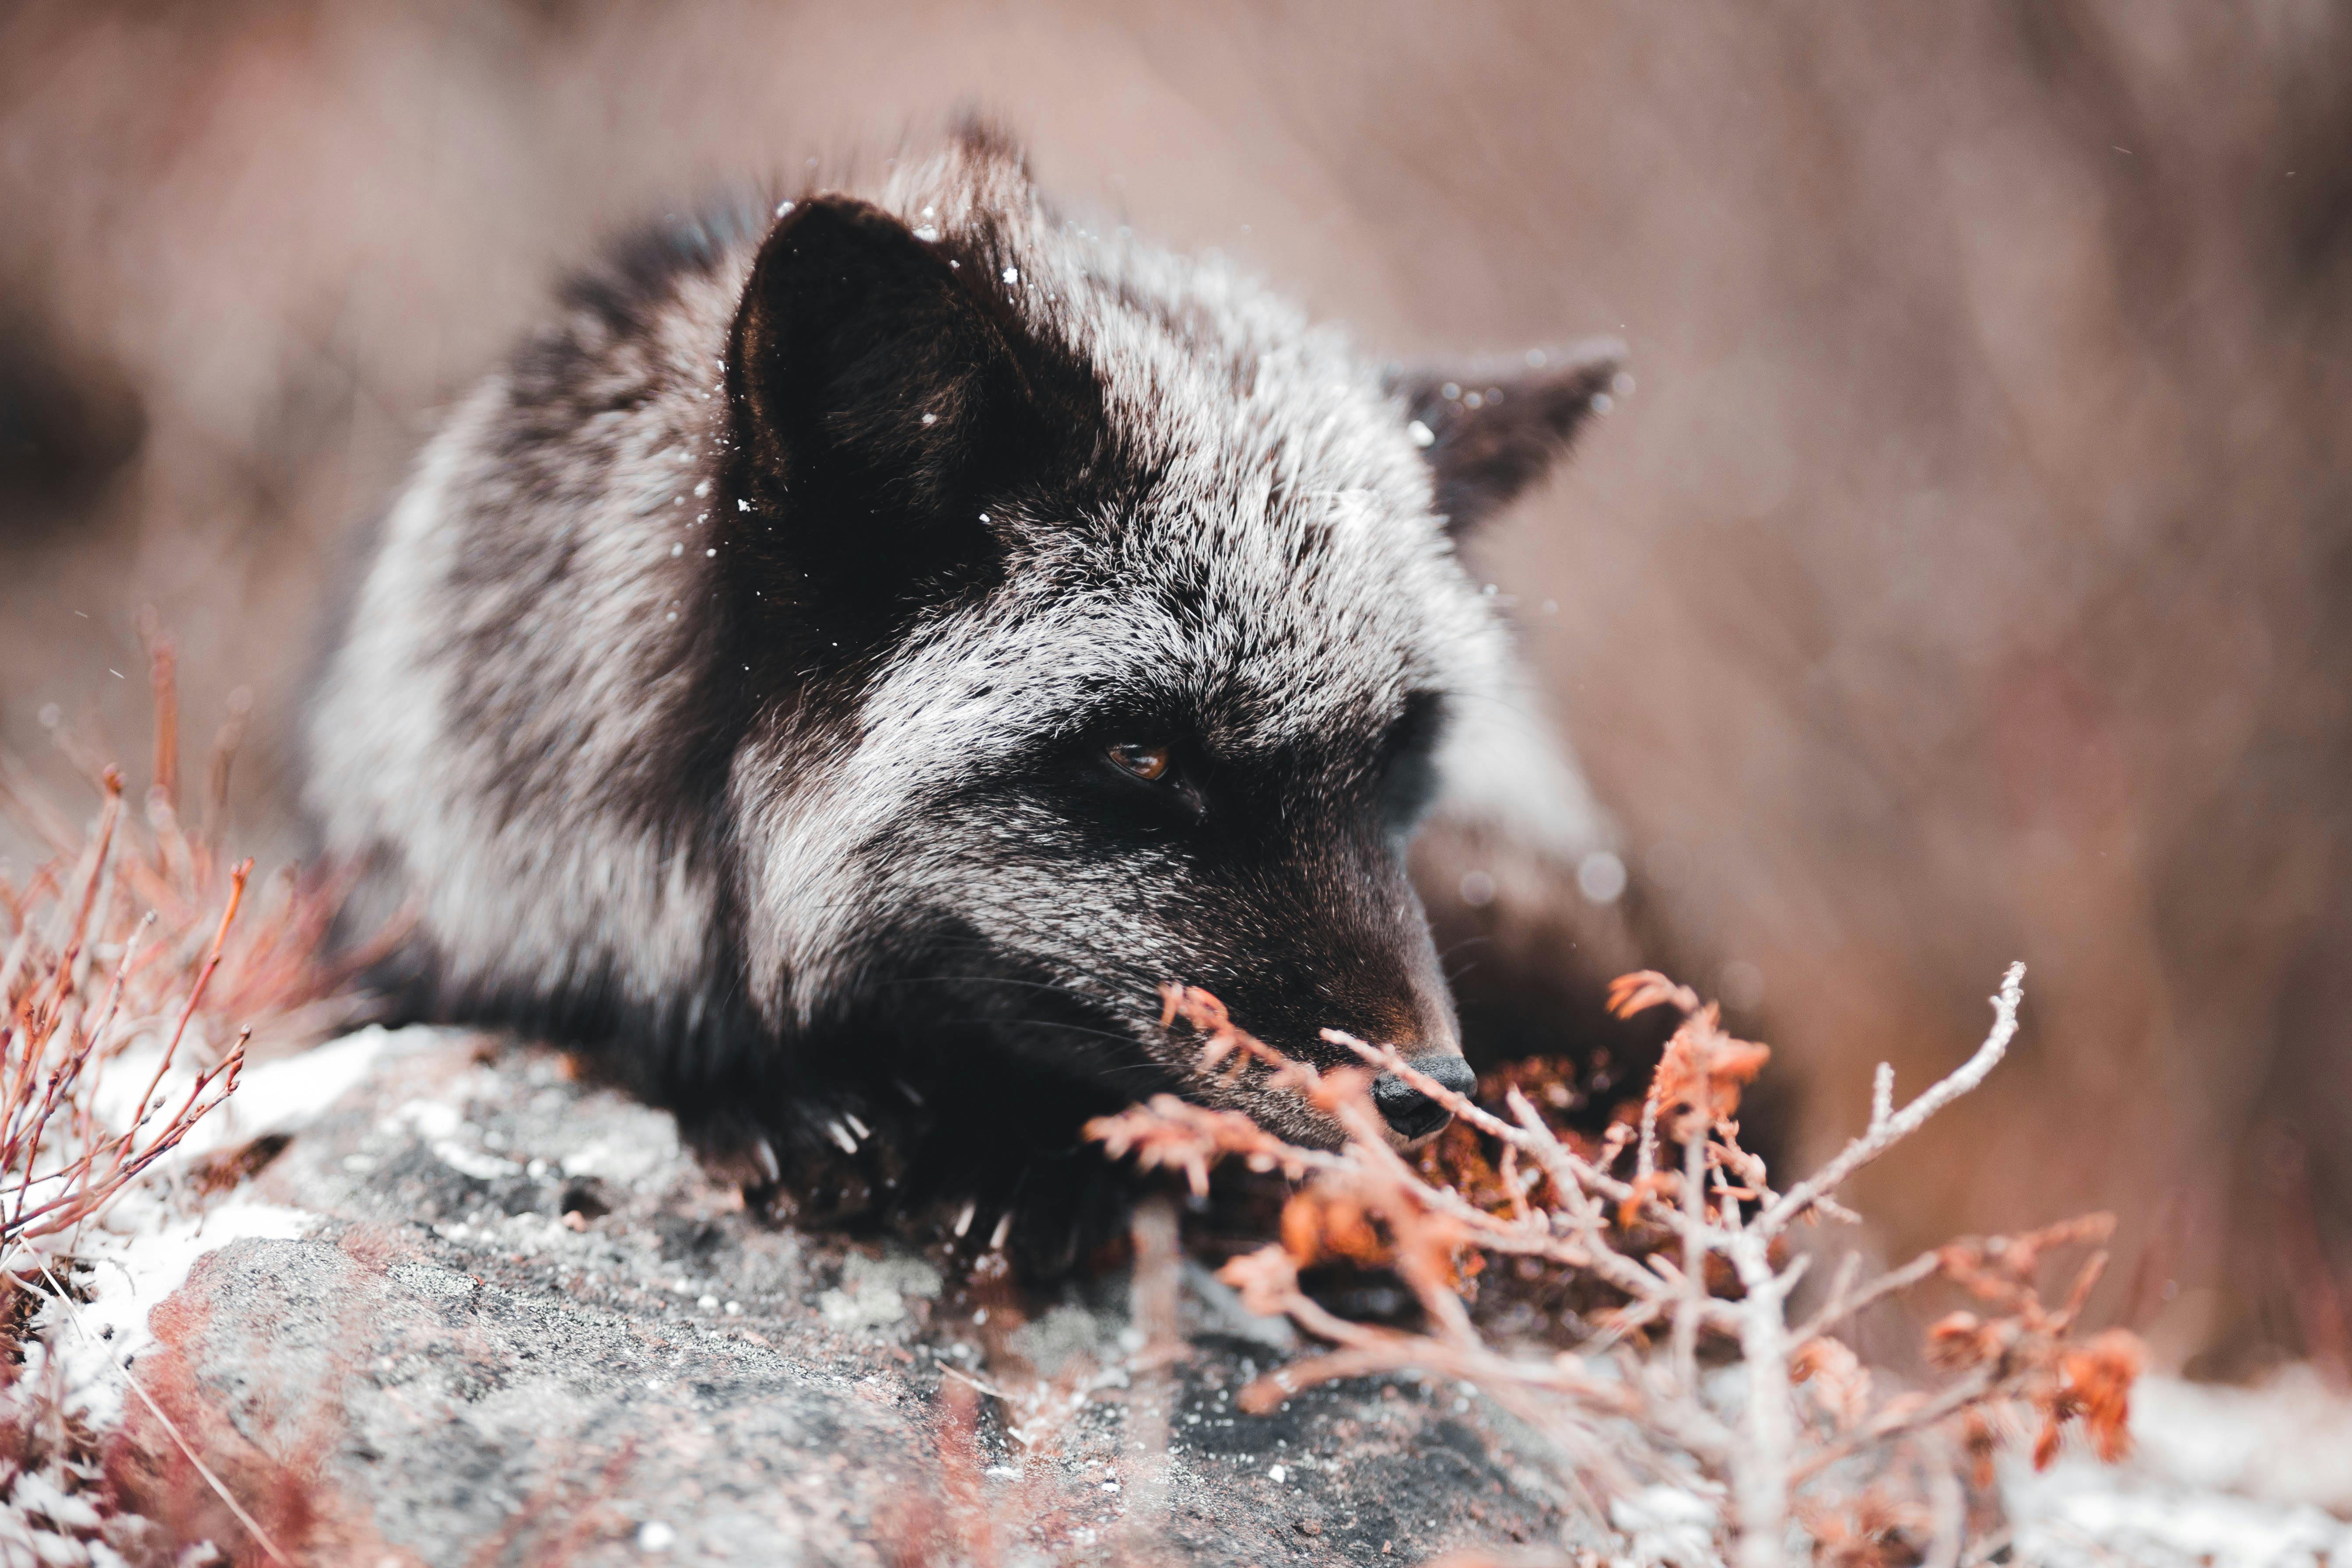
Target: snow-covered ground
[
  {"x": 2233, "y": 1478},
  {"x": 78, "y": 1364}
]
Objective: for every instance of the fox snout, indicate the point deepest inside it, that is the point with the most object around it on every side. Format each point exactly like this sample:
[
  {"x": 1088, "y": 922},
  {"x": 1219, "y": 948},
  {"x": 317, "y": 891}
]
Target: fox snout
[{"x": 1409, "y": 1113}]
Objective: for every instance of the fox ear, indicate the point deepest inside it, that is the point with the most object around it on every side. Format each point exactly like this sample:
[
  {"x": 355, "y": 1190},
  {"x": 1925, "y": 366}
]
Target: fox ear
[
  {"x": 880, "y": 389},
  {"x": 1491, "y": 428}
]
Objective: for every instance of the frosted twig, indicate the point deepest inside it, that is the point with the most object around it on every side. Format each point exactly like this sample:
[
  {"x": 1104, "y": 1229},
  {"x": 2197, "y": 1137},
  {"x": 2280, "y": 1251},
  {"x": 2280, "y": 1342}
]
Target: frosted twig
[
  {"x": 1691, "y": 1310},
  {"x": 1645, "y": 1156},
  {"x": 1947, "y": 1513},
  {"x": 1664, "y": 1419},
  {"x": 1760, "y": 1467},
  {"x": 1957, "y": 1397},
  {"x": 1888, "y": 1131},
  {"x": 1843, "y": 1304}
]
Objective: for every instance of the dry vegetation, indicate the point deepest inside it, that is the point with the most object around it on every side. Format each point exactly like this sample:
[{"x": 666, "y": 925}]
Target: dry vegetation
[
  {"x": 133, "y": 951},
  {"x": 1701, "y": 1377},
  {"x": 139, "y": 965}
]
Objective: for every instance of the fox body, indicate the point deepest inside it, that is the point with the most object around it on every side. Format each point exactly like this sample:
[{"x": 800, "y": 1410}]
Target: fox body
[{"x": 865, "y": 647}]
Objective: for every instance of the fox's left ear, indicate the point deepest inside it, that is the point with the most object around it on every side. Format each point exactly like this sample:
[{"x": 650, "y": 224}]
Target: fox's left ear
[{"x": 1491, "y": 428}]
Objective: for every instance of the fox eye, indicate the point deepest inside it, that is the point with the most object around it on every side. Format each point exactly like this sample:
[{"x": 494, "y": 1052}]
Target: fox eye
[{"x": 1147, "y": 762}]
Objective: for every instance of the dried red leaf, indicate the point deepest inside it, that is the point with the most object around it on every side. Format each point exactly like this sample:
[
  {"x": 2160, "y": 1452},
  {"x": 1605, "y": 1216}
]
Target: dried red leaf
[
  {"x": 1839, "y": 1382},
  {"x": 1320, "y": 1223},
  {"x": 1704, "y": 1070},
  {"x": 1959, "y": 1340},
  {"x": 1173, "y": 1134},
  {"x": 1981, "y": 1444},
  {"x": 1645, "y": 989},
  {"x": 1659, "y": 1186},
  {"x": 1266, "y": 1278},
  {"x": 2099, "y": 1376},
  {"x": 2045, "y": 1447}
]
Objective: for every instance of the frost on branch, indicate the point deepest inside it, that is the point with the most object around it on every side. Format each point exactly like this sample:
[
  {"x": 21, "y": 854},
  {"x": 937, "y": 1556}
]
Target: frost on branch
[{"x": 1697, "y": 1374}]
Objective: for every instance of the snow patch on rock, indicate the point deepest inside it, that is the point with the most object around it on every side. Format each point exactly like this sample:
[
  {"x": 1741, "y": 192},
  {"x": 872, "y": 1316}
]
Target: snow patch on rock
[
  {"x": 2081, "y": 1514},
  {"x": 95, "y": 1344},
  {"x": 874, "y": 1290},
  {"x": 2289, "y": 1440}
]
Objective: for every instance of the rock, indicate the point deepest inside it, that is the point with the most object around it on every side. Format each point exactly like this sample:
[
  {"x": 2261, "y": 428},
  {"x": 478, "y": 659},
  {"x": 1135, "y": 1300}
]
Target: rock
[
  {"x": 526, "y": 1327},
  {"x": 874, "y": 1289}
]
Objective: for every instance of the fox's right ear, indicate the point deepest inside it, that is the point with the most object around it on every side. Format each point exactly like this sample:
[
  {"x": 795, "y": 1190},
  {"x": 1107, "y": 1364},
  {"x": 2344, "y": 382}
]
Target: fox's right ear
[
  {"x": 1491, "y": 428},
  {"x": 879, "y": 388}
]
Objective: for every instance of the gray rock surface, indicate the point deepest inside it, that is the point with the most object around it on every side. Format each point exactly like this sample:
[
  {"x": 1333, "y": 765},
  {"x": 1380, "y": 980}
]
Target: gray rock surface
[{"x": 528, "y": 1329}]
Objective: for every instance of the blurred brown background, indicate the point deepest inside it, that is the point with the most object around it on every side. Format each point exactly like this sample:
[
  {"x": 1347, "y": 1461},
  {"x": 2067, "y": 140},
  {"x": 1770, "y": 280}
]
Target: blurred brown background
[{"x": 1967, "y": 580}]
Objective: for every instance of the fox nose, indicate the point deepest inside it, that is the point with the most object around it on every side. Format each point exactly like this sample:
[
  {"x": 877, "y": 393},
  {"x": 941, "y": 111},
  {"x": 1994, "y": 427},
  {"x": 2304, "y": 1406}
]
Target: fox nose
[{"x": 1412, "y": 1113}]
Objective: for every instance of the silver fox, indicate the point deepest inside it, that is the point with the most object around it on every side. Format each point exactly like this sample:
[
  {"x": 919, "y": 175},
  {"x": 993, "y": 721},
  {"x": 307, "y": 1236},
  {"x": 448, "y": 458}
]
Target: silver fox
[{"x": 866, "y": 646}]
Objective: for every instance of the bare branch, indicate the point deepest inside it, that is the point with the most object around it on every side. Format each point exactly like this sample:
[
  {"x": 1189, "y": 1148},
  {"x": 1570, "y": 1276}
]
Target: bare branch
[
  {"x": 1885, "y": 1134},
  {"x": 1691, "y": 1309},
  {"x": 1663, "y": 1412}
]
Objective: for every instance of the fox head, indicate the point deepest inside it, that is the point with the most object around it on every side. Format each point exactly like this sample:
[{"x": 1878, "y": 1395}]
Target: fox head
[{"x": 1105, "y": 628}]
